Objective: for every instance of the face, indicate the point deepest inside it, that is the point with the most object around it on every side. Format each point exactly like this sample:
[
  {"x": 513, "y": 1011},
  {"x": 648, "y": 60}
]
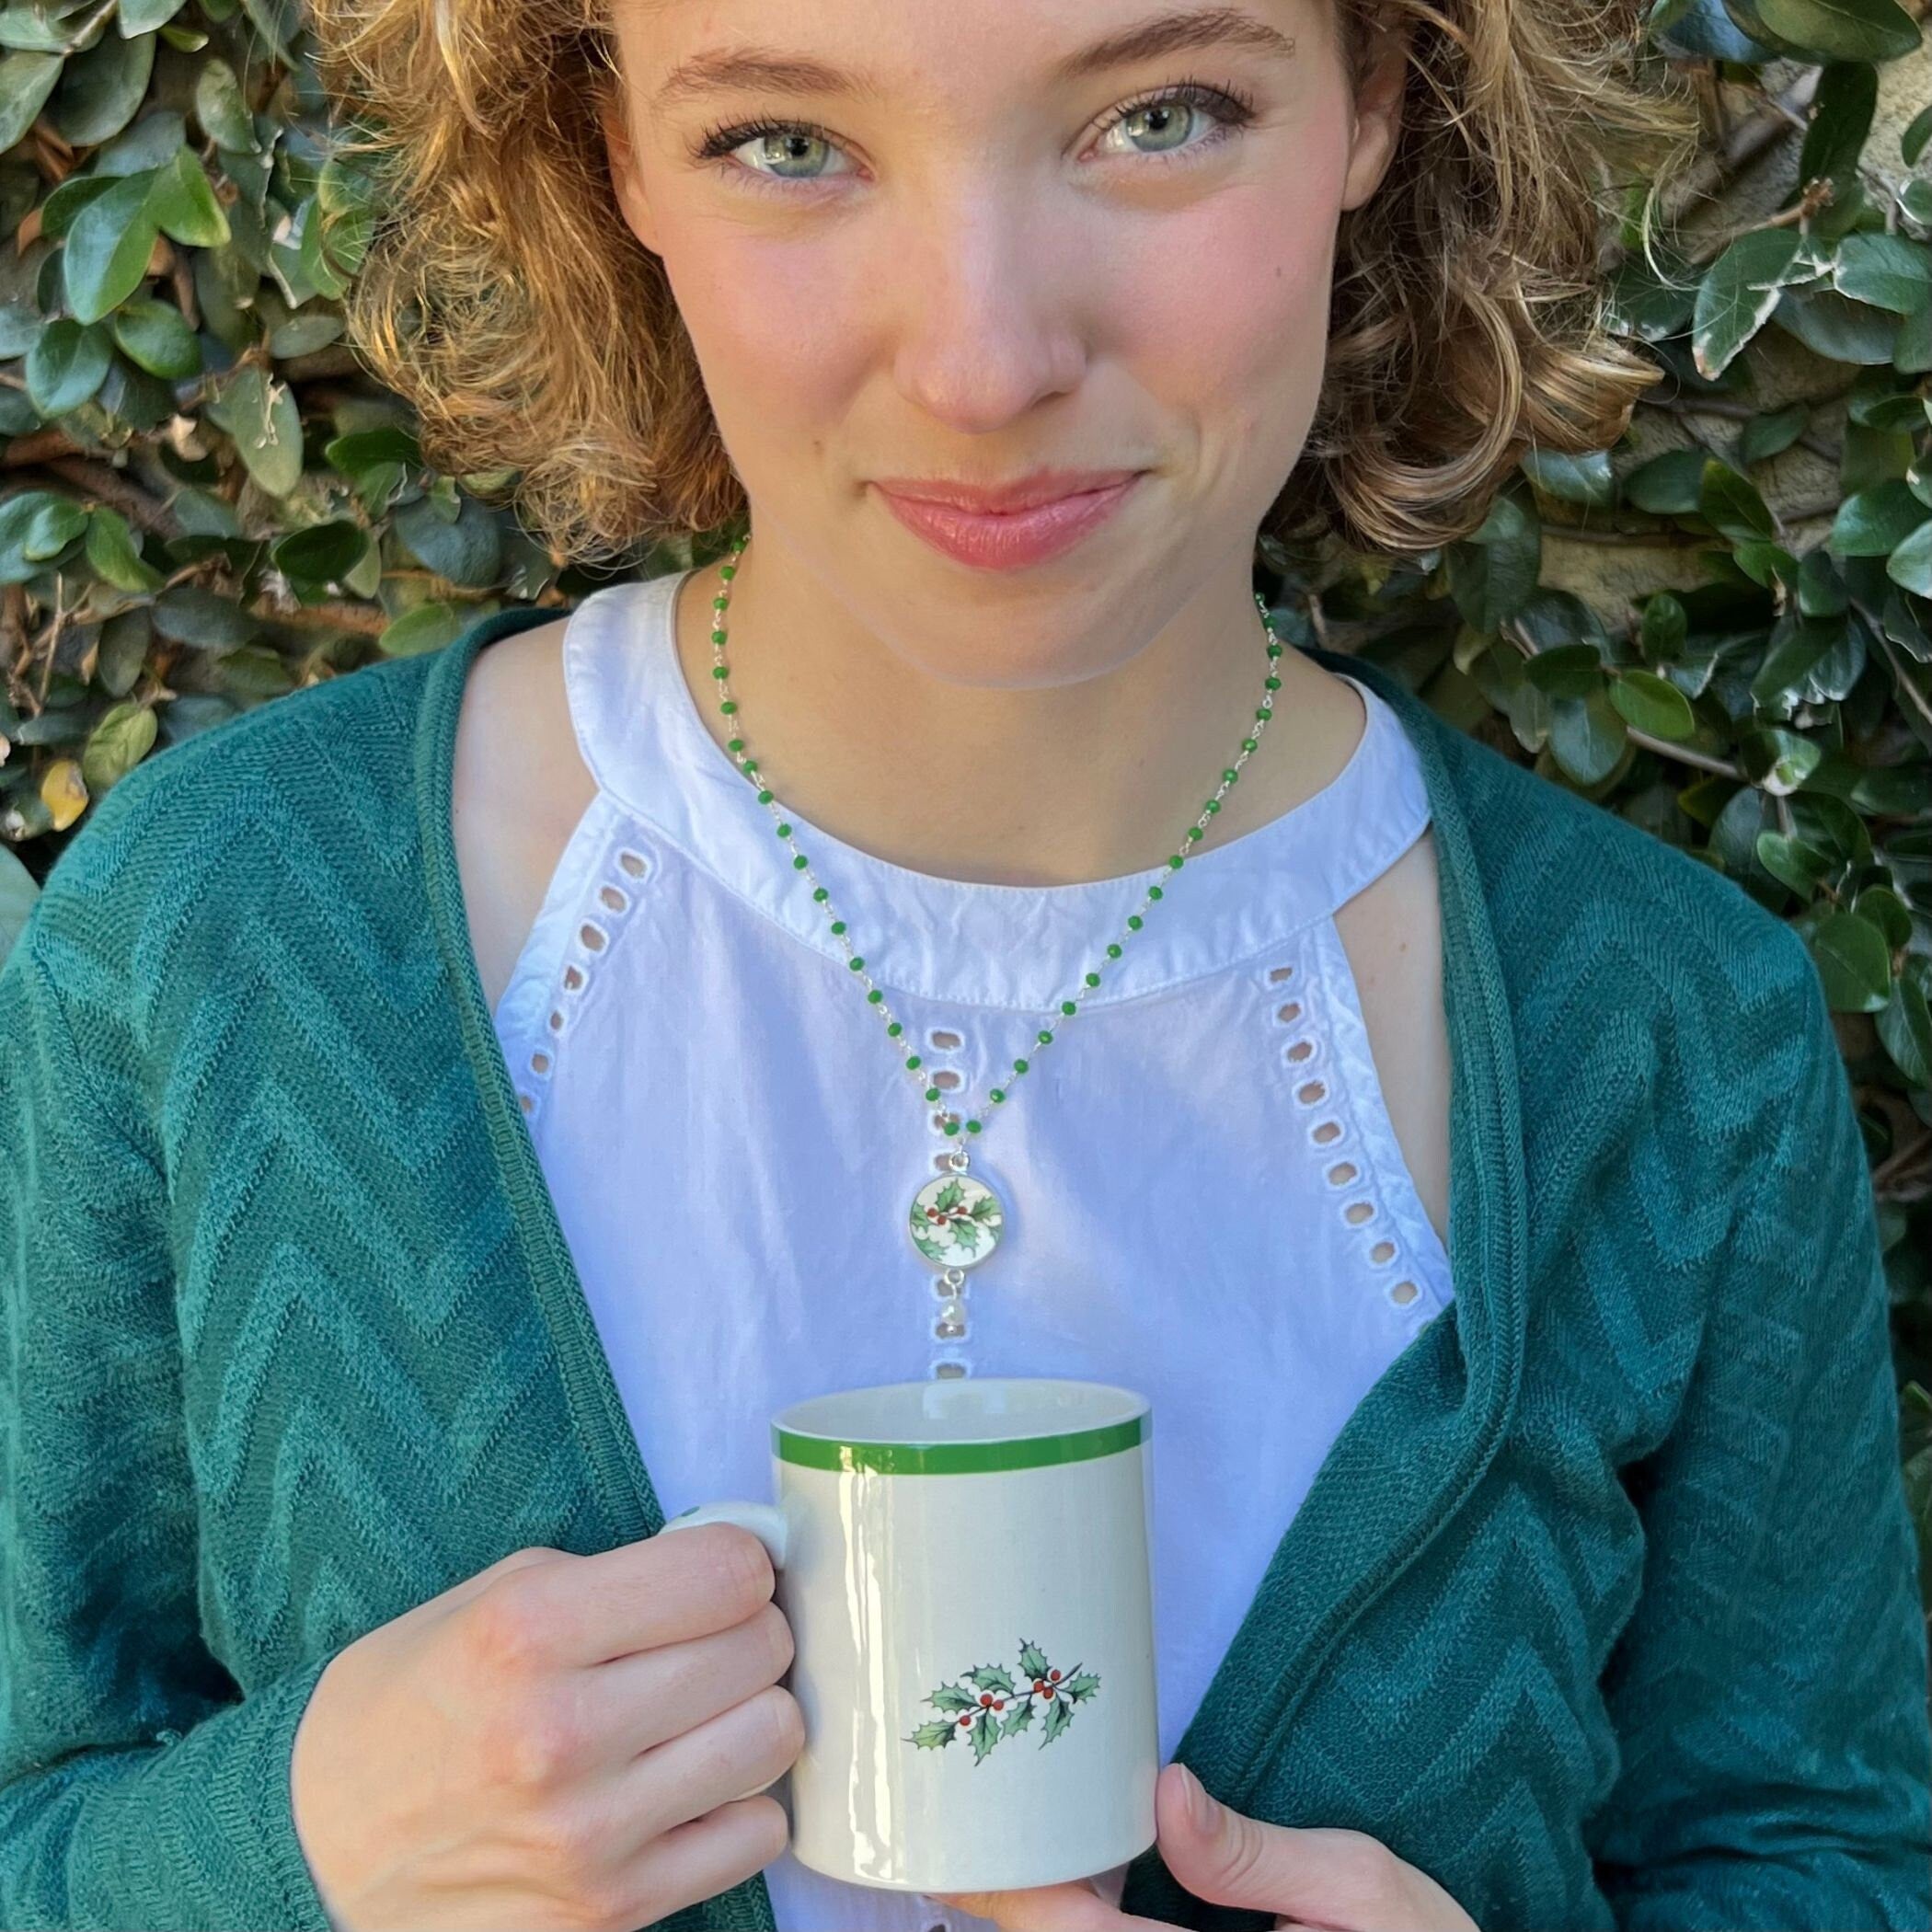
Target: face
[{"x": 965, "y": 242}]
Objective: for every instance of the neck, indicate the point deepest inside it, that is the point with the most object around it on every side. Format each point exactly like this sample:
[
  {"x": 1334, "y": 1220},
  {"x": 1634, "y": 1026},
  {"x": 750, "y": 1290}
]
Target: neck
[{"x": 1020, "y": 783}]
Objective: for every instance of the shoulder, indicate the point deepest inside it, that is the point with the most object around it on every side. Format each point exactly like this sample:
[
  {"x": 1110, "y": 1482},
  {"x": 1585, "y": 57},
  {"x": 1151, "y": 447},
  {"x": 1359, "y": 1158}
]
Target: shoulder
[
  {"x": 292, "y": 825},
  {"x": 1649, "y": 995}
]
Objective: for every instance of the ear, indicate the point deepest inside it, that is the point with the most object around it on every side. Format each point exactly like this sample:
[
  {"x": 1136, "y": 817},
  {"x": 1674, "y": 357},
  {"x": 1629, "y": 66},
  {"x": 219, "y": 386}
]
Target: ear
[
  {"x": 625, "y": 177},
  {"x": 1378, "y": 108}
]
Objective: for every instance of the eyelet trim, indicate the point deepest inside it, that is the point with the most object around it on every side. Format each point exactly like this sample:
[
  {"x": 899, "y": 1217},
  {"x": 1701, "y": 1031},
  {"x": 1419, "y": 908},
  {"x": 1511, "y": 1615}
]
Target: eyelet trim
[
  {"x": 1351, "y": 1182},
  {"x": 949, "y": 1317},
  {"x": 611, "y": 900}
]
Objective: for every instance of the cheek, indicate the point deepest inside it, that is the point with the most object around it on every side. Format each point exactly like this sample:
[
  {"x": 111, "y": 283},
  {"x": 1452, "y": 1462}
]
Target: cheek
[
  {"x": 1231, "y": 299},
  {"x": 770, "y": 327}
]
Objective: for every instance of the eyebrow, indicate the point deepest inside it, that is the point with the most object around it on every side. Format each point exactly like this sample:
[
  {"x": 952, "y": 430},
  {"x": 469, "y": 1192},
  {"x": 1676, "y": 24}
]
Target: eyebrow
[{"x": 1159, "y": 34}]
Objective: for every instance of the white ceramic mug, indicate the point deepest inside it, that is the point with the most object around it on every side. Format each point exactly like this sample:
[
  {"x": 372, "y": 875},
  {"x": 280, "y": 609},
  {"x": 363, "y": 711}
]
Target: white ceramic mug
[{"x": 964, "y": 1566}]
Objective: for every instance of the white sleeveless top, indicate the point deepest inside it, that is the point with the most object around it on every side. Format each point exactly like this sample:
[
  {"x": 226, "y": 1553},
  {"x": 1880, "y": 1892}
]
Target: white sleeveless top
[{"x": 1204, "y": 1199}]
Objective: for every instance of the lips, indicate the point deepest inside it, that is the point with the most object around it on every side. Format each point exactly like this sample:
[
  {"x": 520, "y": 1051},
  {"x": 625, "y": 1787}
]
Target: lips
[
  {"x": 1030, "y": 521},
  {"x": 1044, "y": 486}
]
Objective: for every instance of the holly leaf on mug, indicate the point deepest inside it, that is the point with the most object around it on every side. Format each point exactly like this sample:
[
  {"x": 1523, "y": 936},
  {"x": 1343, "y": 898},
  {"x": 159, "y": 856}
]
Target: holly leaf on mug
[
  {"x": 985, "y": 1734},
  {"x": 930, "y": 1736},
  {"x": 1032, "y": 1661},
  {"x": 1081, "y": 1687},
  {"x": 949, "y": 1697},
  {"x": 1018, "y": 1718},
  {"x": 993, "y": 1677},
  {"x": 1059, "y": 1714}
]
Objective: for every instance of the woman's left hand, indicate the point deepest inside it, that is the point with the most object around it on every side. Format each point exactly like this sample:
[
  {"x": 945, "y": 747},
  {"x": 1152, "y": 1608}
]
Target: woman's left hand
[{"x": 1322, "y": 1881}]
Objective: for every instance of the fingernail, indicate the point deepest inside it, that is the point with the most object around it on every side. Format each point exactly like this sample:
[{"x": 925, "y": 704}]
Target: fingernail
[{"x": 1200, "y": 1805}]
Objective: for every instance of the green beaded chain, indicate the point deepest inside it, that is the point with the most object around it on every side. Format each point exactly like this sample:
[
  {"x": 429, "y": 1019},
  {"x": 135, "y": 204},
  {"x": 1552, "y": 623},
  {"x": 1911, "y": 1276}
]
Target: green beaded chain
[{"x": 1068, "y": 1008}]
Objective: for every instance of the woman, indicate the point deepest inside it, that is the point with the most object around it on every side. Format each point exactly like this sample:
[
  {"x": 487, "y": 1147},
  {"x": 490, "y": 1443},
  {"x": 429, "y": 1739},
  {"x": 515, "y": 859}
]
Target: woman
[{"x": 447, "y": 1109}]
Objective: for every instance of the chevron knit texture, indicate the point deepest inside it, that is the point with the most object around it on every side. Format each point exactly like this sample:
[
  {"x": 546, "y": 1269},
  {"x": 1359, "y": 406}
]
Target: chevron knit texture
[{"x": 1603, "y": 1610}]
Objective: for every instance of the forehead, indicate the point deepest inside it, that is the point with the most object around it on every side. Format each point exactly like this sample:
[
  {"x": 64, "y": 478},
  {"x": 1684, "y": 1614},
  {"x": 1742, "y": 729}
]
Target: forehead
[{"x": 695, "y": 50}]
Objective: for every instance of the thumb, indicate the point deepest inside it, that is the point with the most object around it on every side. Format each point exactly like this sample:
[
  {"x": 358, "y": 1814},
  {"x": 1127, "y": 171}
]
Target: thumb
[{"x": 1221, "y": 1855}]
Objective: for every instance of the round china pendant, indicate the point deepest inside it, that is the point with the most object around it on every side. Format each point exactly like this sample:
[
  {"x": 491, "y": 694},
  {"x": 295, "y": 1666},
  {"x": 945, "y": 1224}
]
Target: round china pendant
[{"x": 956, "y": 1221}]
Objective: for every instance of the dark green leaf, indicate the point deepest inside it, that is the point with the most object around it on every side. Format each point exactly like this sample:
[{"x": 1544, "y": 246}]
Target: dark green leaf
[
  {"x": 1793, "y": 863},
  {"x": 1840, "y": 30},
  {"x": 1738, "y": 293},
  {"x": 1873, "y": 522},
  {"x": 153, "y": 335},
  {"x": 1887, "y": 270},
  {"x": 1912, "y": 142},
  {"x": 259, "y": 413},
  {"x": 427, "y": 628},
  {"x": 108, "y": 248},
  {"x": 1652, "y": 704},
  {"x": 25, "y": 81},
  {"x": 1587, "y": 737},
  {"x": 468, "y": 552},
  {"x": 183, "y": 204},
  {"x": 145, "y": 144},
  {"x": 192, "y": 615},
  {"x": 219, "y": 107},
  {"x": 116, "y": 745},
  {"x": 322, "y": 553},
  {"x": 101, "y": 89},
  {"x": 113, "y": 552},
  {"x": 1910, "y": 566},
  {"x": 361, "y": 448},
  {"x": 1669, "y": 484},
  {"x": 1853, "y": 961},
  {"x": 1905, "y": 1027},
  {"x": 146, "y": 15},
  {"x": 1572, "y": 479},
  {"x": 1771, "y": 435},
  {"x": 1833, "y": 325},
  {"x": 67, "y": 365},
  {"x": 1493, "y": 573},
  {"x": 1663, "y": 628},
  {"x": 1567, "y": 671},
  {"x": 1776, "y": 759},
  {"x": 1730, "y": 503}
]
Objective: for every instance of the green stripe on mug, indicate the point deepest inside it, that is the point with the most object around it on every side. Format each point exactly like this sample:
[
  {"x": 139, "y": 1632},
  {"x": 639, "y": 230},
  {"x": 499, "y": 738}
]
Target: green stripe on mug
[{"x": 1031, "y": 1452}]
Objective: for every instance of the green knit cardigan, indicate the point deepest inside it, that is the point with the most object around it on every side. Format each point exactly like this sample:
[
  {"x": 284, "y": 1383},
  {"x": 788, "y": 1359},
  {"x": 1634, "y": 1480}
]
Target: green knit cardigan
[{"x": 1602, "y": 1610}]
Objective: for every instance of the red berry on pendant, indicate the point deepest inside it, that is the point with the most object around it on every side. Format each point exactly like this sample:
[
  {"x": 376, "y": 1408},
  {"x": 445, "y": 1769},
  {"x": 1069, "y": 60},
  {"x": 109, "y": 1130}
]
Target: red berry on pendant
[
  {"x": 1054, "y": 1675},
  {"x": 985, "y": 1697},
  {"x": 1040, "y": 1684},
  {"x": 965, "y": 1718},
  {"x": 999, "y": 1704}
]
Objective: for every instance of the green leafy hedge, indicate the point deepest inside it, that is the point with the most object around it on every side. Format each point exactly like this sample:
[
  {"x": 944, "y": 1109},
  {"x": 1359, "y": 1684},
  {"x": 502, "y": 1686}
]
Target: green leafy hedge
[{"x": 206, "y": 503}]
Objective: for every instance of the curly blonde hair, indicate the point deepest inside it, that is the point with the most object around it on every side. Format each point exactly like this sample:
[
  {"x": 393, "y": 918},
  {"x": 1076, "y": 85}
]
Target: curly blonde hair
[{"x": 503, "y": 297}]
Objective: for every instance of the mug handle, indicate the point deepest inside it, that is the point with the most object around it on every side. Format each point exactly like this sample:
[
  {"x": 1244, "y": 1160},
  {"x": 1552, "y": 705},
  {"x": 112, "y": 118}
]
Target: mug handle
[{"x": 765, "y": 1521}]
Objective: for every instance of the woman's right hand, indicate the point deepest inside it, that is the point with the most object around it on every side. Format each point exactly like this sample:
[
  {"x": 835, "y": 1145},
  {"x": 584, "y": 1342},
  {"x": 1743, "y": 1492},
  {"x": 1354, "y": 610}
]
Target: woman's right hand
[{"x": 559, "y": 1743}]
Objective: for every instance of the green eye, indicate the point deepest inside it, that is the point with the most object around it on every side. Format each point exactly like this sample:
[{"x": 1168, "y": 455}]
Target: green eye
[
  {"x": 1167, "y": 120},
  {"x": 795, "y": 145}
]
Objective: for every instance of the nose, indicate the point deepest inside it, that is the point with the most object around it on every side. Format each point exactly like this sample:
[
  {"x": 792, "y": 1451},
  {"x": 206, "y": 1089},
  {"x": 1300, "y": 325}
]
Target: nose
[{"x": 987, "y": 328}]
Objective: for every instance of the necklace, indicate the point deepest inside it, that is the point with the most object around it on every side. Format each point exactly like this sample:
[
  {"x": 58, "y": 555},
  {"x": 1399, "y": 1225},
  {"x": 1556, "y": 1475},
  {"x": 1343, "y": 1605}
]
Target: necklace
[{"x": 956, "y": 1219}]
